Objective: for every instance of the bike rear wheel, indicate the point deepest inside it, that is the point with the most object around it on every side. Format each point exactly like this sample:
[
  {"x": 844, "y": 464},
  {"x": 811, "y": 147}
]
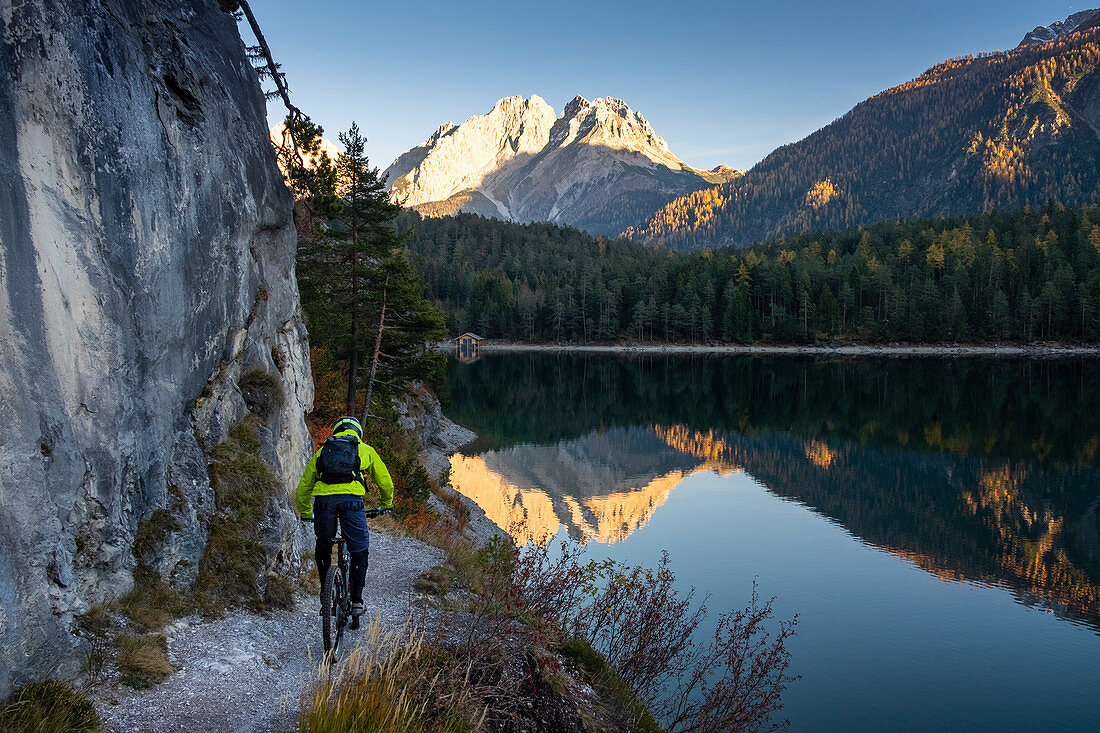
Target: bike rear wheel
[{"x": 334, "y": 593}]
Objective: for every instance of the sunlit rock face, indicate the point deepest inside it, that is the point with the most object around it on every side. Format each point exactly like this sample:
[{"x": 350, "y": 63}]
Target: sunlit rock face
[
  {"x": 597, "y": 165},
  {"x": 147, "y": 261},
  {"x": 457, "y": 158}
]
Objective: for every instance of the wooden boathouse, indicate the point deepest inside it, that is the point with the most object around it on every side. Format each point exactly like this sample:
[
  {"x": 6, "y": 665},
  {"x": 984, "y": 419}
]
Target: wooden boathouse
[{"x": 468, "y": 346}]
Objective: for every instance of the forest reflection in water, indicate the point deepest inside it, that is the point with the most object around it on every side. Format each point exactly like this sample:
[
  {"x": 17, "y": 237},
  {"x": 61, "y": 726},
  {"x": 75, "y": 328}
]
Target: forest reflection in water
[{"x": 983, "y": 470}]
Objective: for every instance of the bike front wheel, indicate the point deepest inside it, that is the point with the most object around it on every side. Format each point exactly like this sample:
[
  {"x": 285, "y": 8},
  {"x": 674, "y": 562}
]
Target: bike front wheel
[{"x": 334, "y": 593}]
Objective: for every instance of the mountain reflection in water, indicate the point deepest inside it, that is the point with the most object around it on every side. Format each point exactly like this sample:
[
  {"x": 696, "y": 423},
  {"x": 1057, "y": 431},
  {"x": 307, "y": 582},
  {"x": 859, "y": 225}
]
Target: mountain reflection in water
[
  {"x": 992, "y": 477},
  {"x": 601, "y": 486}
]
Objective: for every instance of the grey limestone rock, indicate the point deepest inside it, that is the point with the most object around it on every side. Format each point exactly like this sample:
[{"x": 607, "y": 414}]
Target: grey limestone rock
[
  {"x": 420, "y": 413},
  {"x": 147, "y": 260}
]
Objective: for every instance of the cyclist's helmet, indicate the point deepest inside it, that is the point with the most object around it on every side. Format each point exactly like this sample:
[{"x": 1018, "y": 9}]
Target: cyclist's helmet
[{"x": 348, "y": 423}]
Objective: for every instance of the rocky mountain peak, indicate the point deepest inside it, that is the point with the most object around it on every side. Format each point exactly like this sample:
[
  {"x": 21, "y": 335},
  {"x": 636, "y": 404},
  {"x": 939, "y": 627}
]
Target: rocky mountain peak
[
  {"x": 517, "y": 105},
  {"x": 598, "y": 165},
  {"x": 1054, "y": 31},
  {"x": 456, "y": 158},
  {"x": 611, "y": 123},
  {"x": 575, "y": 105},
  {"x": 445, "y": 129}
]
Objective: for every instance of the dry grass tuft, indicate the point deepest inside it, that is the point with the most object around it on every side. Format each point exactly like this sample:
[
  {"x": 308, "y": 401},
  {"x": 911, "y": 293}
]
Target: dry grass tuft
[
  {"x": 434, "y": 581},
  {"x": 95, "y": 628},
  {"x": 390, "y": 683},
  {"x": 48, "y": 707},
  {"x": 143, "y": 659},
  {"x": 151, "y": 604},
  {"x": 279, "y": 593},
  {"x": 308, "y": 579}
]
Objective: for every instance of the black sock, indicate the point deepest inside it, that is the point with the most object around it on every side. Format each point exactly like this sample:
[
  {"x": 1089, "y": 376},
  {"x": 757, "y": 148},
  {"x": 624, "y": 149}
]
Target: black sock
[
  {"x": 358, "y": 575},
  {"x": 324, "y": 560}
]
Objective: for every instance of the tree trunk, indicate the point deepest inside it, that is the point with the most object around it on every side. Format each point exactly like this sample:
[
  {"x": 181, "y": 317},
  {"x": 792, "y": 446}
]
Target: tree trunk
[
  {"x": 377, "y": 351},
  {"x": 353, "y": 369},
  {"x": 353, "y": 361}
]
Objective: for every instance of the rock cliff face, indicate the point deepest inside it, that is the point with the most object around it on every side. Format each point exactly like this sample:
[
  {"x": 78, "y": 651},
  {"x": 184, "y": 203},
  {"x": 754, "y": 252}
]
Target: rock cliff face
[
  {"x": 147, "y": 262},
  {"x": 420, "y": 413},
  {"x": 599, "y": 166}
]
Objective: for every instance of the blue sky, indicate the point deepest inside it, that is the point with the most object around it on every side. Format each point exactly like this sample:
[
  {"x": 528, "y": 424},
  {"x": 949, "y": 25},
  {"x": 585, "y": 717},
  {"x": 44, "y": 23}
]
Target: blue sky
[{"x": 722, "y": 82}]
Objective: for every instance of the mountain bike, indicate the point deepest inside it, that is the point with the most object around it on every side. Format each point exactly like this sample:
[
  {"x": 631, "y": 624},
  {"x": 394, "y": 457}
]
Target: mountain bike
[{"x": 336, "y": 596}]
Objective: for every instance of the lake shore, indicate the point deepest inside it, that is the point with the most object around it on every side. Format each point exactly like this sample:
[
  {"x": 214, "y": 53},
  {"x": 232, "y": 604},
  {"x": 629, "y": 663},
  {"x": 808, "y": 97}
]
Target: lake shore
[{"x": 1043, "y": 350}]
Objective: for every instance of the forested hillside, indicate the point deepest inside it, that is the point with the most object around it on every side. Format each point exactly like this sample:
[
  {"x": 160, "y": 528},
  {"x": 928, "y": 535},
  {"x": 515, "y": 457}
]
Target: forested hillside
[
  {"x": 999, "y": 130},
  {"x": 1024, "y": 275}
]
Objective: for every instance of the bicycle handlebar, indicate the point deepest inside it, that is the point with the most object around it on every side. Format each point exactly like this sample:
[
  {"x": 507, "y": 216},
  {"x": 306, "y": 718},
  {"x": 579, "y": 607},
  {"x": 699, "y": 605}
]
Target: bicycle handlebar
[{"x": 371, "y": 514}]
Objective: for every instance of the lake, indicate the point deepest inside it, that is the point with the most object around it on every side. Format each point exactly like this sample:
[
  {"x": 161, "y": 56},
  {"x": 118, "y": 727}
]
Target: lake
[{"x": 933, "y": 522}]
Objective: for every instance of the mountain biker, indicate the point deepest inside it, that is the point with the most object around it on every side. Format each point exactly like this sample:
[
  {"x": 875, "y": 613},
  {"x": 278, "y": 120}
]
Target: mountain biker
[{"x": 327, "y": 492}]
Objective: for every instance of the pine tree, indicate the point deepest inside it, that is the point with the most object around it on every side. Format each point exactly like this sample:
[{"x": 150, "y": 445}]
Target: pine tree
[{"x": 361, "y": 297}]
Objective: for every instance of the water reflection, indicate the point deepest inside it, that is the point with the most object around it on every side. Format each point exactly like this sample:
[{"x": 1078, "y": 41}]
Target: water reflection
[
  {"x": 980, "y": 470},
  {"x": 602, "y": 486}
]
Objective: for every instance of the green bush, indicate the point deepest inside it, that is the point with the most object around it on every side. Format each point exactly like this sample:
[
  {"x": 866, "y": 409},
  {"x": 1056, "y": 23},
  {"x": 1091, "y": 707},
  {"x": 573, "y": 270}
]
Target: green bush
[{"x": 48, "y": 707}]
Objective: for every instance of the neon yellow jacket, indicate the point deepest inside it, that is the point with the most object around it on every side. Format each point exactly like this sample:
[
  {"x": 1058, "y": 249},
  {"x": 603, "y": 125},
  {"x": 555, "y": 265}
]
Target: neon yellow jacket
[{"x": 369, "y": 463}]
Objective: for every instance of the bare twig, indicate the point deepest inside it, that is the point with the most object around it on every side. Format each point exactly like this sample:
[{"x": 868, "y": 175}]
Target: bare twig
[{"x": 263, "y": 51}]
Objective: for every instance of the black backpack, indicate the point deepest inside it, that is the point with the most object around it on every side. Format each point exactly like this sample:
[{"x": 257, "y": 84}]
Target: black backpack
[{"x": 338, "y": 462}]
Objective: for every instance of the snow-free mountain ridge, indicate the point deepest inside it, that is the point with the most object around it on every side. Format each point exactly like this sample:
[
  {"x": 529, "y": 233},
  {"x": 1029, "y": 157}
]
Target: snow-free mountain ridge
[
  {"x": 1054, "y": 31},
  {"x": 994, "y": 131},
  {"x": 599, "y": 166}
]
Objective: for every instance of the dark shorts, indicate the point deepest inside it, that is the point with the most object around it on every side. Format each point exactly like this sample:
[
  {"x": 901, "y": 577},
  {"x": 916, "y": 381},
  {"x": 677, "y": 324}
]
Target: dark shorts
[{"x": 350, "y": 510}]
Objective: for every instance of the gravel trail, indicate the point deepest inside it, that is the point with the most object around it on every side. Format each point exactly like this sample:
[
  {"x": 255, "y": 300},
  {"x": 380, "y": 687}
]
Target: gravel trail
[{"x": 245, "y": 672}]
